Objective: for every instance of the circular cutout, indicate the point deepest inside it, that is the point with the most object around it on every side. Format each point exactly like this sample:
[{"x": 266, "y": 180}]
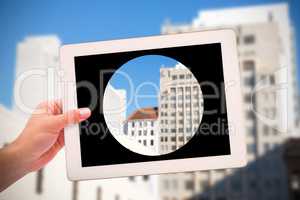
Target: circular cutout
[{"x": 153, "y": 105}]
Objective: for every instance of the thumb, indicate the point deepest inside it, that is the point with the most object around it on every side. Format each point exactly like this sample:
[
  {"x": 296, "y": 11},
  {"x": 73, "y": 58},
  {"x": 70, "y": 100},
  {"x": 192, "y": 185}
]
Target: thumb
[{"x": 71, "y": 117}]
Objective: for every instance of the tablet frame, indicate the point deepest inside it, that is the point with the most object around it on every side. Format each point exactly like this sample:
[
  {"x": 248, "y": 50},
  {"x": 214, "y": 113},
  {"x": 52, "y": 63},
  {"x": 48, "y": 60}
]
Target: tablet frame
[{"x": 233, "y": 94}]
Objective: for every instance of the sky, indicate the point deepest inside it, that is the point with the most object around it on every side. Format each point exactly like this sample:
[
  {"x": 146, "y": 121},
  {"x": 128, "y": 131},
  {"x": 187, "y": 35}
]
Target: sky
[
  {"x": 91, "y": 20},
  {"x": 140, "y": 79}
]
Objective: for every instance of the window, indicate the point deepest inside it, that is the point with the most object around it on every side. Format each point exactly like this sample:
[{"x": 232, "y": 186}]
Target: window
[
  {"x": 189, "y": 76},
  {"x": 250, "y": 115},
  {"x": 151, "y": 132},
  {"x": 146, "y": 178},
  {"x": 145, "y": 132},
  {"x": 249, "y": 81},
  {"x": 250, "y": 131},
  {"x": 272, "y": 79},
  {"x": 173, "y": 147},
  {"x": 99, "y": 193},
  {"x": 266, "y": 130},
  {"x": 189, "y": 185},
  {"x": 75, "y": 190},
  {"x": 251, "y": 148},
  {"x": 145, "y": 142},
  {"x": 151, "y": 142},
  {"x": 267, "y": 146},
  {"x": 161, "y": 139},
  {"x": 181, "y": 76},
  {"x": 152, "y": 123},
  {"x": 249, "y": 39},
  {"x": 140, "y": 132},
  {"x": 248, "y": 65},
  {"x": 166, "y": 184},
  {"x": 132, "y": 133},
  {"x": 173, "y": 139},
  {"x": 140, "y": 141},
  {"x": 39, "y": 182},
  {"x": 248, "y": 98},
  {"x": 204, "y": 185},
  {"x": 132, "y": 124},
  {"x": 173, "y": 90},
  {"x": 174, "y": 77}
]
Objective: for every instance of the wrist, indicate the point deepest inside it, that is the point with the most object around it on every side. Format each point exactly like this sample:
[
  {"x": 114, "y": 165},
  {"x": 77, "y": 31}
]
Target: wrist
[{"x": 18, "y": 161}]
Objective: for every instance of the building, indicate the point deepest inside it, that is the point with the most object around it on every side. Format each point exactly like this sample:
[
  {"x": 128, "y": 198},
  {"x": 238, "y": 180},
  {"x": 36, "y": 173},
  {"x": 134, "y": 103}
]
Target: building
[
  {"x": 36, "y": 72},
  {"x": 142, "y": 126},
  {"x": 292, "y": 161},
  {"x": 180, "y": 106},
  {"x": 114, "y": 108},
  {"x": 37, "y": 64},
  {"x": 266, "y": 56}
]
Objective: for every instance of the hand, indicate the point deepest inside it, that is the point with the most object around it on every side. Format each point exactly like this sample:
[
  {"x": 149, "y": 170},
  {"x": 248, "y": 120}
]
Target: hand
[{"x": 39, "y": 142}]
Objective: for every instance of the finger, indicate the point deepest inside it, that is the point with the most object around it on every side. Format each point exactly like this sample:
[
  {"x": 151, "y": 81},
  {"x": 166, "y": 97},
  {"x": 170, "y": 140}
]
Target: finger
[{"x": 71, "y": 117}]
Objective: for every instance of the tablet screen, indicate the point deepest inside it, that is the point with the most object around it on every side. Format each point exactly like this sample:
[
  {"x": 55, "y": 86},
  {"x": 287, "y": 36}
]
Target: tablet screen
[{"x": 152, "y": 105}]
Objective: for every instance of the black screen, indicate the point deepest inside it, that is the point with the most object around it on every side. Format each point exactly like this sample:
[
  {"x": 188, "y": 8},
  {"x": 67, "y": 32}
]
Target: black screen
[{"x": 204, "y": 61}]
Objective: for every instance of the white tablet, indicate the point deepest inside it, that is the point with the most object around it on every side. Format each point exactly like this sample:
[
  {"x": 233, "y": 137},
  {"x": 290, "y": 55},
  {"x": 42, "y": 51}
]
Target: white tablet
[{"x": 160, "y": 104}]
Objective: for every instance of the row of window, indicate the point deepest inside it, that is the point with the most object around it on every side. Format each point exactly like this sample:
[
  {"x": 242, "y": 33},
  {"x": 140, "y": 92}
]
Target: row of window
[
  {"x": 189, "y": 184},
  {"x": 144, "y": 132},
  {"x": 145, "y": 143},
  {"x": 180, "y": 97},
  {"x": 180, "y": 121},
  {"x": 173, "y": 138},
  {"x": 180, "y": 105},
  {"x": 187, "y": 89},
  {"x": 180, "y": 113},
  {"x": 182, "y": 76},
  {"x": 141, "y": 123},
  {"x": 179, "y": 130}
]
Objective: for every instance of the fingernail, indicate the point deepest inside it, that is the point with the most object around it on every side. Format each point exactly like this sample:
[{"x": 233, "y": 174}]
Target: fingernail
[{"x": 84, "y": 113}]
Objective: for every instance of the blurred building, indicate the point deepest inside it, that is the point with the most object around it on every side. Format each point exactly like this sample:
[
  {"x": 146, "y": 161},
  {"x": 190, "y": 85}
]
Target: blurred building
[
  {"x": 37, "y": 72},
  {"x": 180, "y": 107},
  {"x": 142, "y": 125},
  {"x": 35, "y": 78},
  {"x": 292, "y": 160},
  {"x": 268, "y": 76}
]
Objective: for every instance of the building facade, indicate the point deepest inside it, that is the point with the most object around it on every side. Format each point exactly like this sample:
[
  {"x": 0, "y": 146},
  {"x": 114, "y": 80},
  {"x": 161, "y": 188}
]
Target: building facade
[
  {"x": 180, "y": 107},
  {"x": 142, "y": 126},
  {"x": 264, "y": 36}
]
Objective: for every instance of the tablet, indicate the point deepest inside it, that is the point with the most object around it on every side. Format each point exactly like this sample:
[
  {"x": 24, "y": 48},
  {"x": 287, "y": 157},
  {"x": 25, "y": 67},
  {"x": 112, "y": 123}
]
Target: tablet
[{"x": 160, "y": 104}]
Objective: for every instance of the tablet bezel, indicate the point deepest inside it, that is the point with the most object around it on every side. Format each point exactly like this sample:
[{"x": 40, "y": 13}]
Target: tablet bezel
[{"x": 233, "y": 94}]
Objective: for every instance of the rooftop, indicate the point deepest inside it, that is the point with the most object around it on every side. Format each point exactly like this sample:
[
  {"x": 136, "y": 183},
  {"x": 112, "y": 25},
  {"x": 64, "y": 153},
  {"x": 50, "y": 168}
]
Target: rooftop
[{"x": 144, "y": 113}]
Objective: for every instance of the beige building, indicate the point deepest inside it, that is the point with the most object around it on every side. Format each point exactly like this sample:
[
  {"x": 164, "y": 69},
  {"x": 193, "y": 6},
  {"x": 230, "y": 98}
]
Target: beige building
[
  {"x": 264, "y": 36},
  {"x": 181, "y": 107}
]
